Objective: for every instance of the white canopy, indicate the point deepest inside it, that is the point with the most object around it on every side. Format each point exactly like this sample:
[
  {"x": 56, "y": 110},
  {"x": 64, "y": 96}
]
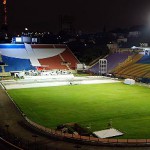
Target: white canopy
[
  {"x": 129, "y": 81},
  {"x": 108, "y": 133}
]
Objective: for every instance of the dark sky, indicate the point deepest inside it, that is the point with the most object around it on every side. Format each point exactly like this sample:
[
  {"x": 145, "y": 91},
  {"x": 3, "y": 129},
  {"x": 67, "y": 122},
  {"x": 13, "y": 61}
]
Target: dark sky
[{"x": 89, "y": 15}]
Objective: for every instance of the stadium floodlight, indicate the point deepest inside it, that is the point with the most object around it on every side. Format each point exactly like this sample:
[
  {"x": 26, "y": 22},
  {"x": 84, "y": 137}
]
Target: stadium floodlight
[{"x": 26, "y": 29}]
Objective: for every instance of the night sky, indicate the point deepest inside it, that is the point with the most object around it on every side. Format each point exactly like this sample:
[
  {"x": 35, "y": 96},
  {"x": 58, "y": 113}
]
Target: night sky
[{"x": 89, "y": 15}]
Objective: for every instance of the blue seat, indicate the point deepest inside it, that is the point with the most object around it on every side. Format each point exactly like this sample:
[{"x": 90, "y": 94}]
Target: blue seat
[
  {"x": 144, "y": 60},
  {"x": 16, "y": 64}
]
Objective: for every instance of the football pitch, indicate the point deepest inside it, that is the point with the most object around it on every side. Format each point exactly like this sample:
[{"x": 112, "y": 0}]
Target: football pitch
[{"x": 94, "y": 106}]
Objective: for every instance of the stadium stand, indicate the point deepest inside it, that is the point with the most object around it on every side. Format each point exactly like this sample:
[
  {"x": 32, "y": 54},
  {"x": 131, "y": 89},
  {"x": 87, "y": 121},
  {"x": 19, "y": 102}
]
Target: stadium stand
[
  {"x": 144, "y": 60},
  {"x": 147, "y": 75},
  {"x": 19, "y": 57},
  {"x": 69, "y": 59},
  {"x": 134, "y": 71},
  {"x": 129, "y": 61},
  {"x": 52, "y": 63},
  {"x": 137, "y": 67},
  {"x": 113, "y": 60},
  {"x": 116, "y": 58},
  {"x": 16, "y": 64}
]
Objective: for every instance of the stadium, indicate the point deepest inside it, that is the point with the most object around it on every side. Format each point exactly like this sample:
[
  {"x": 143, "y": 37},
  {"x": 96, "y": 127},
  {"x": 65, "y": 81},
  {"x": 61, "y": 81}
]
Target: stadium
[{"x": 108, "y": 104}]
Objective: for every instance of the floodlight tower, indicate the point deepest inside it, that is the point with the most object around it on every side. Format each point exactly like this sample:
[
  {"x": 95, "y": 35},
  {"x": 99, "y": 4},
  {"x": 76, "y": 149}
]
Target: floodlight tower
[
  {"x": 4, "y": 26},
  {"x": 5, "y": 12}
]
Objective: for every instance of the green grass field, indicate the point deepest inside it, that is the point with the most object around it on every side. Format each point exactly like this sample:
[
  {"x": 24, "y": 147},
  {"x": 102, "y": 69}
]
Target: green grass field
[{"x": 127, "y": 106}]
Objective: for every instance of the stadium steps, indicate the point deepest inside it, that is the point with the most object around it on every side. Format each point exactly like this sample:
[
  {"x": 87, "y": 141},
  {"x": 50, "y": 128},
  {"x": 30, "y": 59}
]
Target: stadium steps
[
  {"x": 63, "y": 60},
  {"x": 113, "y": 59},
  {"x": 129, "y": 61},
  {"x": 67, "y": 65},
  {"x": 135, "y": 71},
  {"x": 56, "y": 62},
  {"x": 131, "y": 68},
  {"x": 53, "y": 63},
  {"x": 137, "y": 68},
  {"x": 71, "y": 59},
  {"x": 147, "y": 75},
  {"x": 140, "y": 72}
]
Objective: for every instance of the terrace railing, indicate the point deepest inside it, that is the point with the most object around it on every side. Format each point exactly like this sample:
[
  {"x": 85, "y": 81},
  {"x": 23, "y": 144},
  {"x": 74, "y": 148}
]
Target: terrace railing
[{"x": 89, "y": 139}]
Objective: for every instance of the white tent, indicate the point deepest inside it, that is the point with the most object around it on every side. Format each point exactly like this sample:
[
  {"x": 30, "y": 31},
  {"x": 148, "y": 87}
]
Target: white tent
[
  {"x": 129, "y": 81},
  {"x": 108, "y": 133}
]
